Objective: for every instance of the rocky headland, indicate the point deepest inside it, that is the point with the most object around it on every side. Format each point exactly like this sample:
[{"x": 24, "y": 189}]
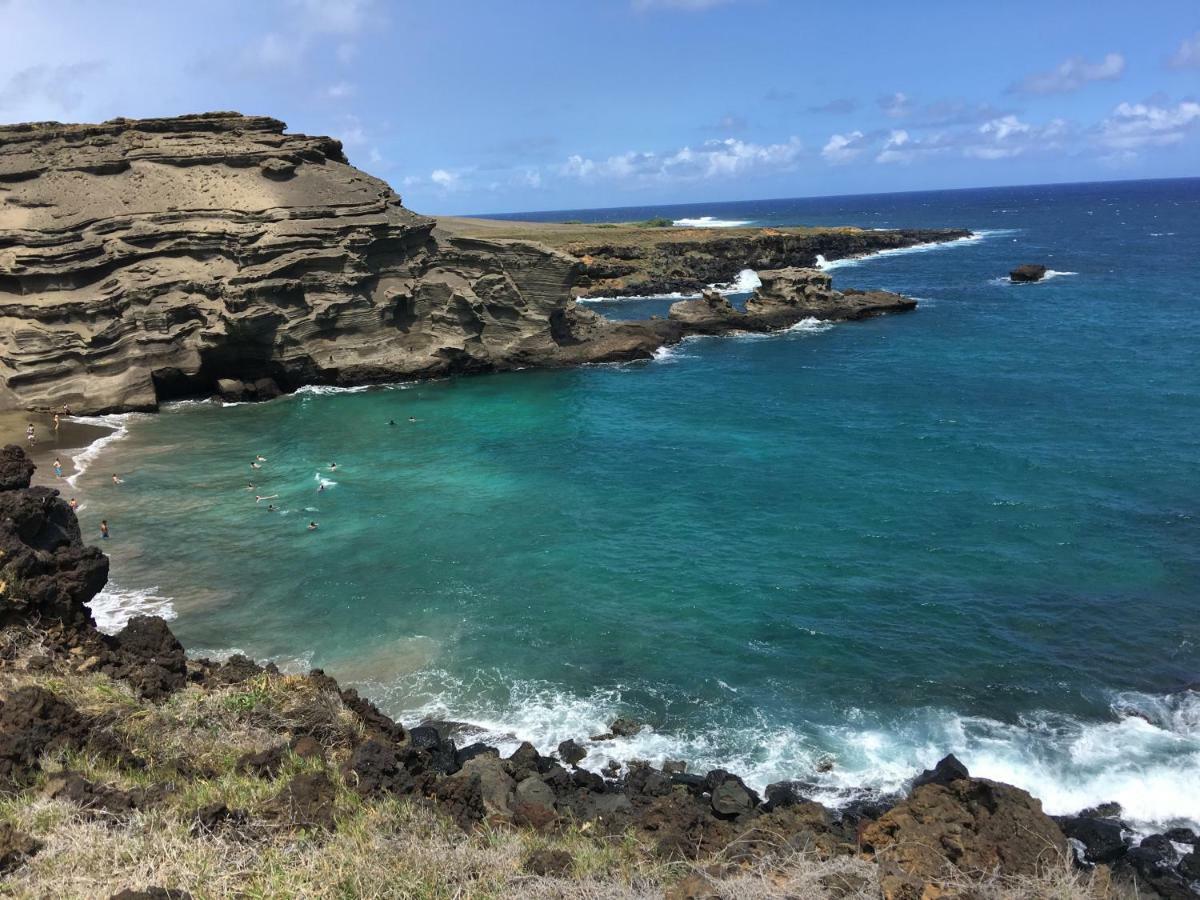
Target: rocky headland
[
  {"x": 128, "y": 768},
  {"x": 148, "y": 260}
]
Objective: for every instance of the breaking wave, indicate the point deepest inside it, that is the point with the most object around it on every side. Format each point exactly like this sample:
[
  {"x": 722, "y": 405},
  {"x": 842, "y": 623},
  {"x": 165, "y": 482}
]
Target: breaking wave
[
  {"x": 118, "y": 422},
  {"x": 711, "y": 222},
  {"x": 114, "y": 606},
  {"x": 846, "y": 262}
]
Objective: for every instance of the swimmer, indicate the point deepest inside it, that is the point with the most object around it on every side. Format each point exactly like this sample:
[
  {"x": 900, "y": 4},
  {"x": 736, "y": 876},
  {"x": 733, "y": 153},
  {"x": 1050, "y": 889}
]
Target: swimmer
[
  {"x": 57, "y": 467},
  {"x": 260, "y": 499},
  {"x": 255, "y": 465},
  {"x": 56, "y": 421},
  {"x": 104, "y": 528},
  {"x": 271, "y": 507},
  {"x": 74, "y": 504},
  {"x": 312, "y": 526},
  {"x": 391, "y": 422},
  {"x": 117, "y": 480},
  {"x": 412, "y": 418},
  {"x": 261, "y": 458},
  {"x": 321, "y": 489},
  {"x": 249, "y": 485},
  {"x": 332, "y": 465}
]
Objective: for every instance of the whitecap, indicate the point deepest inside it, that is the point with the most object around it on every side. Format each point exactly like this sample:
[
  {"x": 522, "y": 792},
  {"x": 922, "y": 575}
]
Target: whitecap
[
  {"x": 846, "y": 262},
  {"x": 114, "y": 606},
  {"x": 711, "y": 222},
  {"x": 747, "y": 281},
  {"x": 321, "y": 390}
]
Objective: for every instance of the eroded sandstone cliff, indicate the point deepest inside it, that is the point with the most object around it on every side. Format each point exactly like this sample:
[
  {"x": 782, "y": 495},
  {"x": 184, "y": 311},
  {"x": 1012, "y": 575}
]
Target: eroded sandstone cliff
[{"x": 143, "y": 260}]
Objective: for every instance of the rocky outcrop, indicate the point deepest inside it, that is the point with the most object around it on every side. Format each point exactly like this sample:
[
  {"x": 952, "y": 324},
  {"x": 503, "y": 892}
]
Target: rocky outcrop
[
  {"x": 142, "y": 260},
  {"x": 786, "y": 297},
  {"x": 689, "y": 260},
  {"x": 1027, "y": 272}
]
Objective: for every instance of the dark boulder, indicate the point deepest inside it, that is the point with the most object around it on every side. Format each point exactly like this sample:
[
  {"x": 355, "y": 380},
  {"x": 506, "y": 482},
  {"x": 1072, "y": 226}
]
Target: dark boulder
[
  {"x": 461, "y": 798},
  {"x": 731, "y": 798},
  {"x": 442, "y": 754},
  {"x": 375, "y": 768},
  {"x": 947, "y": 770},
  {"x": 32, "y": 722},
  {"x": 473, "y": 750},
  {"x": 624, "y": 727},
  {"x": 783, "y": 794},
  {"x": 1103, "y": 840},
  {"x": 571, "y": 752},
  {"x": 147, "y": 655},
  {"x": 524, "y": 762},
  {"x": 16, "y": 468},
  {"x": 1027, "y": 272}
]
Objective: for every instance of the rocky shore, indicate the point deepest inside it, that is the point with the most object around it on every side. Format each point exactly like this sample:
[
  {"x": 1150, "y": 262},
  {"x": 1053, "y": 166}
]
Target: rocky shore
[
  {"x": 125, "y": 764},
  {"x": 149, "y": 260}
]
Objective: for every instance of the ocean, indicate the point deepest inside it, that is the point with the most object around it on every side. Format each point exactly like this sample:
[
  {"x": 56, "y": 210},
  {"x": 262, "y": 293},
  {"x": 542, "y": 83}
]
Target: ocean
[{"x": 972, "y": 529}]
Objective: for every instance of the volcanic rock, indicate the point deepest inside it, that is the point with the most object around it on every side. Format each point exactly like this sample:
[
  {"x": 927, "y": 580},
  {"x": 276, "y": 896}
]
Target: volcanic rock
[{"x": 1027, "y": 272}]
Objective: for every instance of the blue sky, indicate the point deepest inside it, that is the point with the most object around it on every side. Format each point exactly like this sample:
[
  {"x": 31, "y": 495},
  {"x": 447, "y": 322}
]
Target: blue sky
[{"x": 490, "y": 106}]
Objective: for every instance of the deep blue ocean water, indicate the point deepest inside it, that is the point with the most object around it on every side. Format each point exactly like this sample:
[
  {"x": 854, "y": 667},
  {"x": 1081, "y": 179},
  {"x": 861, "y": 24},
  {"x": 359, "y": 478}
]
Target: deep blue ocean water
[{"x": 973, "y": 528}]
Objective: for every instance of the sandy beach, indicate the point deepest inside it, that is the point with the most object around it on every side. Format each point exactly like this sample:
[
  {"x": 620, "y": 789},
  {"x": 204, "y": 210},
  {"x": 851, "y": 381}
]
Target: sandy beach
[{"x": 64, "y": 442}]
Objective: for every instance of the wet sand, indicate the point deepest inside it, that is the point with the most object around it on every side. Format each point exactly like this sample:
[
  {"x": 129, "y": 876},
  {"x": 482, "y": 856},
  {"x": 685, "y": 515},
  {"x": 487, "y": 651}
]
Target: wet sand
[{"x": 65, "y": 442}]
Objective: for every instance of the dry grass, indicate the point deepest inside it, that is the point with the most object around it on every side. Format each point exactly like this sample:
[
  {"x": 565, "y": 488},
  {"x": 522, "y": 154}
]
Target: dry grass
[{"x": 380, "y": 848}]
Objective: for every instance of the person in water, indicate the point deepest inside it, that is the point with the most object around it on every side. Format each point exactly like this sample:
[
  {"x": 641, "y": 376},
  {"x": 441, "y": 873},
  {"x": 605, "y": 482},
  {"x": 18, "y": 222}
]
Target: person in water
[
  {"x": 74, "y": 504},
  {"x": 260, "y": 499},
  {"x": 321, "y": 488},
  {"x": 271, "y": 507},
  {"x": 57, "y": 467},
  {"x": 332, "y": 466},
  {"x": 104, "y": 528},
  {"x": 117, "y": 480},
  {"x": 412, "y": 418},
  {"x": 392, "y": 422},
  {"x": 260, "y": 458},
  {"x": 56, "y": 421},
  {"x": 249, "y": 485},
  {"x": 312, "y": 526},
  {"x": 255, "y": 465}
]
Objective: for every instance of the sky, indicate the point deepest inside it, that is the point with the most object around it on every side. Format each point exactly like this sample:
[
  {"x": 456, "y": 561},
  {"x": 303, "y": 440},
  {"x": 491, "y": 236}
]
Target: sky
[{"x": 476, "y": 106}]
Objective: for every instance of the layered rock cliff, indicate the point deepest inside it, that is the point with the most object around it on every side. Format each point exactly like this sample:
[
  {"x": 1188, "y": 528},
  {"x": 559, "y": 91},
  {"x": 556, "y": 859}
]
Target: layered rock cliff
[
  {"x": 143, "y": 260},
  {"x": 146, "y": 260}
]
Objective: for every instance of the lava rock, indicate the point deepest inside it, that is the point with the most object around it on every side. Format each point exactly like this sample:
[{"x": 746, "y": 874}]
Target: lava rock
[
  {"x": 1103, "y": 840},
  {"x": 1027, "y": 272},
  {"x": 947, "y": 770},
  {"x": 374, "y": 768},
  {"x": 571, "y": 752}
]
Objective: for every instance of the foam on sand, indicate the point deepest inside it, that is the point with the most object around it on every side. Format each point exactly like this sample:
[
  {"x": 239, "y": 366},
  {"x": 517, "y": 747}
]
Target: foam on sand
[
  {"x": 118, "y": 422},
  {"x": 114, "y": 606}
]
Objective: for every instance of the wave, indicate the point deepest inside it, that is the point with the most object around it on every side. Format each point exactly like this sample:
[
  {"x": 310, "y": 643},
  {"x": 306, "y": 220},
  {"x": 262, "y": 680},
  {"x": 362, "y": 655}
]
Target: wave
[
  {"x": 846, "y": 262},
  {"x": 747, "y": 282},
  {"x": 321, "y": 390},
  {"x": 711, "y": 222},
  {"x": 1147, "y": 757},
  {"x": 114, "y": 606},
  {"x": 118, "y": 422}
]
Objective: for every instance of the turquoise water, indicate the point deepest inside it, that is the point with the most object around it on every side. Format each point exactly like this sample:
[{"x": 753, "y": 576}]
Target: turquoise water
[{"x": 974, "y": 528}]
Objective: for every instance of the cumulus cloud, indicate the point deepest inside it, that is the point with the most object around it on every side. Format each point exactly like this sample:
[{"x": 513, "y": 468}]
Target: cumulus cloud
[
  {"x": 843, "y": 148},
  {"x": 896, "y": 106},
  {"x": 899, "y": 147},
  {"x": 712, "y": 159},
  {"x": 1070, "y": 75},
  {"x": 1188, "y": 54},
  {"x": 1135, "y": 125},
  {"x": 1009, "y": 136},
  {"x": 443, "y": 178}
]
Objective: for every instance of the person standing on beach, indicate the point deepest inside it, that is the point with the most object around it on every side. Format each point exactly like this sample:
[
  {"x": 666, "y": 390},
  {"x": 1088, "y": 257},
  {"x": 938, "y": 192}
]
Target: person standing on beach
[
  {"x": 104, "y": 528},
  {"x": 31, "y": 434}
]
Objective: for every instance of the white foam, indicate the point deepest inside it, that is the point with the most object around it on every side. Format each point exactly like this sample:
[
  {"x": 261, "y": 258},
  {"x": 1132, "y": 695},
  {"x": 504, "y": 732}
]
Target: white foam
[
  {"x": 846, "y": 262},
  {"x": 114, "y": 606},
  {"x": 1050, "y": 273},
  {"x": 674, "y": 295},
  {"x": 324, "y": 482},
  {"x": 118, "y": 422},
  {"x": 1151, "y": 765},
  {"x": 321, "y": 390},
  {"x": 747, "y": 281},
  {"x": 711, "y": 222}
]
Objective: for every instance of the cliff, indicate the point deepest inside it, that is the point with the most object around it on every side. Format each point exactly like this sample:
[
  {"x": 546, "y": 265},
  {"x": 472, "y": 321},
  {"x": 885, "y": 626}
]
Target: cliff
[
  {"x": 146, "y": 260},
  {"x": 127, "y": 766}
]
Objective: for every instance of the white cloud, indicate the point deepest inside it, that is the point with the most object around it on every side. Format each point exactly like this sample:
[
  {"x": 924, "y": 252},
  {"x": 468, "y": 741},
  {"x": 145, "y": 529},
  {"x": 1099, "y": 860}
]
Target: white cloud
[
  {"x": 896, "y": 105},
  {"x": 711, "y": 160},
  {"x": 56, "y": 86},
  {"x": 1070, "y": 75},
  {"x": 339, "y": 91},
  {"x": 899, "y": 147},
  {"x": 444, "y": 179},
  {"x": 1134, "y": 125},
  {"x": 1188, "y": 54},
  {"x": 842, "y": 148}
]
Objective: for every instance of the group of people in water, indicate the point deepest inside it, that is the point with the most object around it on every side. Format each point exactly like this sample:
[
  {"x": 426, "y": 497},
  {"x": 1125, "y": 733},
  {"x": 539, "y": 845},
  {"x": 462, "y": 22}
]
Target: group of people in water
[{"x": 256, "y": 464}]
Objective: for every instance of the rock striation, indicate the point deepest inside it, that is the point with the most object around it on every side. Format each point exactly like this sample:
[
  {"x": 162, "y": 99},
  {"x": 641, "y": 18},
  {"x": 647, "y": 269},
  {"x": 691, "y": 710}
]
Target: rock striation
[
  {"x": 142, "y": 260},
  {"x": 152, "y": 259}
]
